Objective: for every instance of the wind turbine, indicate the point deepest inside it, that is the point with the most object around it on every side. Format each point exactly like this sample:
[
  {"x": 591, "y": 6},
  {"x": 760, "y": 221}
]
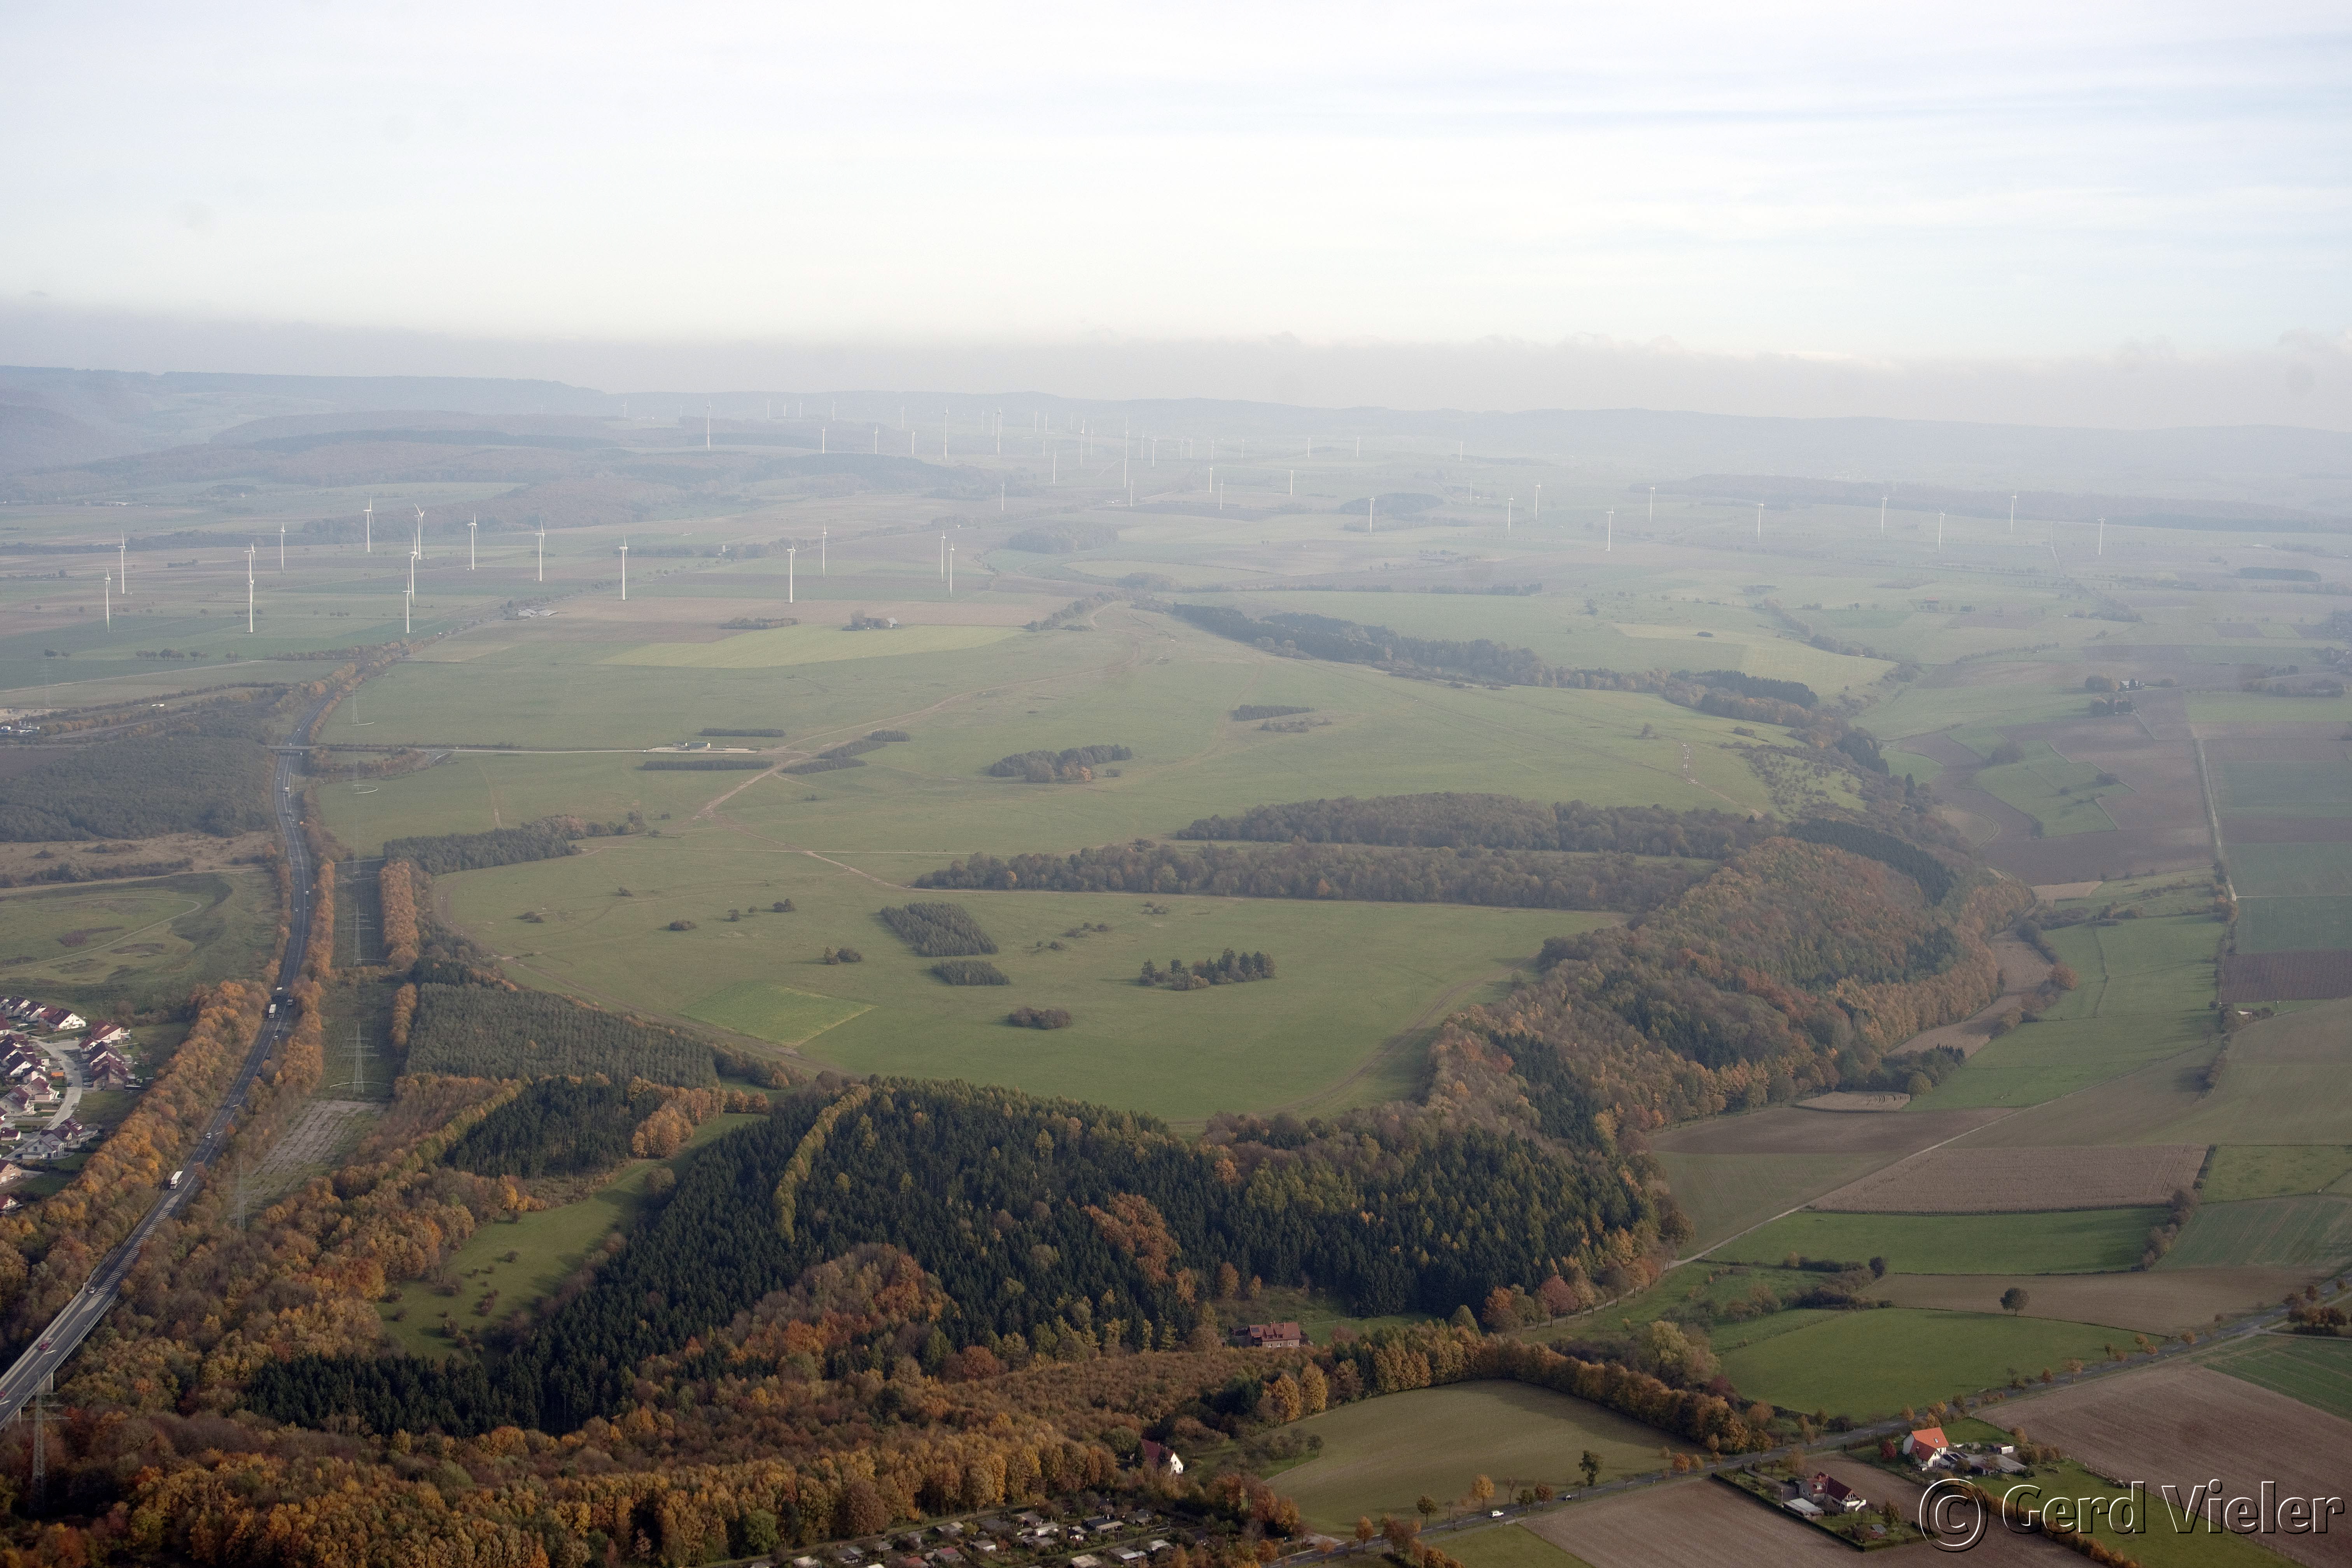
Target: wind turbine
[
  {"x": 1370, "y": 502},
  {"x": 825, "y": 538},
  {"x": 281, "y": 547},
  {"x": 1654, "y": 506},
  {"x": 419, "y": 545},
  {"x": 109, "y": 591},
  {"x": 248, "y": 590},
  {"x": 951, "y": 570},
  {"x": 1759, "y": 522},
  {"x": 407, "y": 601},
  {"x": 1940, "y": 533},
  {"x": 791, "y": 553},
  {"x": 542, "y": 550},
  {"x": 368, "y": 525},
  {"x": 2103, "y": 536},
  {"x": 412, "y": 572},
  {"x": 1535, "y": 514},
  {"x": 473, "y": 532},
  {"x": 625, "y": 571},
  {"x": 1508, "y": 502},
  {"x": 1609, "y": 537},
  {"x": 1882, "y": 517},
  {"x": 123, "y": 569},
  {"x": 2013, "y": 512}
]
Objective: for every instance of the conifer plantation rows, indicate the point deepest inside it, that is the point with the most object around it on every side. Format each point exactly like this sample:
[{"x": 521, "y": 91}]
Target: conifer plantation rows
[
  {"x": 1453, "y": 821},
  {"x": 442, "y": 853},
  {"x": 938, "y": 930},
  {"x": 491, "y": 1031}
]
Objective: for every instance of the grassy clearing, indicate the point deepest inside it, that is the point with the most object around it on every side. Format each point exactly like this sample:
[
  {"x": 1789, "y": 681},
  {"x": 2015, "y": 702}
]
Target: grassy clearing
[
  {"x": 2289, "y": 870},
  {"x": 2144, "y": 993},
  {"x": 2309, "y": 1230},
  {"x": 2293, "y": 925},
  {"x": 2245, "y": 1171},
  {"x": 1379, "y": 1455},
  {"x": 1922, "y": 770},
  {"x": 121, "y": 946},
  {"x": 1871, "y": 1363},
  {"x": 2283, "y": 1084},
  {"x": 2056, "y": 790},
  {"x": 2072, "y": 1241},
  {"x": 771, "y": 1011},
  {"x": 1354, "y": 978},
  {"x": 548, "y": 1246},
  {"x": 1724, "y": 1193},
  {"x": 808, "y": 645},
  {"x": 1920, "y": 710},
  {"x": 2316, "y": 1371}
]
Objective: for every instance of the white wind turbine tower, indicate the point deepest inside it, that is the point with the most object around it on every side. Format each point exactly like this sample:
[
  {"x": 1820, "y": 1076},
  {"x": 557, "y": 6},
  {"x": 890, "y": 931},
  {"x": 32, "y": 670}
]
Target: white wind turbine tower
[
  {"x": 2013, "y": 512},
  {"x": 1882, "y": 517},
  {"x": 791, "y": 553},
  {"x": 1536, "y": 513},
  {"x": 248, "y": 590},
  {"x": 625, "y": 571},
  {"x": 1759, "y": 522},
  {"x": 412, "y": 572},
  {"x": 367, "y": 525},
  {"x": 408, "y": 603},
  {"x": 281, "y": 547},
  {"x": 542, "y": 550},
  {"x": 823, "y": 540},
  {"x": 109, "y": 591},
  {"x": 122, "y": 562},
  {"x": 951, "y": 570},
  {"x": 419, "y": 545},
  {"x": 1654, "y": 506},
  {"x": 1609, "y": 537},
  {"x": 1940, "y": 533},
  {"x": 1508, "y": 502},
  {"x": 2103, "y": 536},
  {"x": 473, "y": 532}
]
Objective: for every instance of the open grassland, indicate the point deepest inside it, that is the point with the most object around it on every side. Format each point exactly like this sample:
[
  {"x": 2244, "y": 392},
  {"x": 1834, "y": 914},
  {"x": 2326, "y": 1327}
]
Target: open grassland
[
  {"x": 1686, "y": 1523},
  {"x": 1509, "y": 1546},
  {"x": 2244, "y": 1171},
  {"x": 1900, "y": 764},
  {"x": 1958, "y": 1179},
  {"x": 2294, "y": 925},
  {"x": 777, "y": 1014},
  {"x": 1379, "y": 1455},
  {"x": 2153, "y": 1301},
  {"x": 2283, "y": 1084},
  {"x": 547, "y": 1245},
  {"x": 2056, "y": 790},
  {"x": 2319, "y": 1372},
  {"x": 2252, "y": 708},
  {"x": 1725, "y": 1193},
  {"x": 1922, "y": 710},
  {"x": 2175, "y": 1425},
  {"x": 2071, "y": 1241},
  {"x": 1870, "y": 1363},
  {"x": 1344, "y": 1022},
  {"x": 784, "y": 645},
  {"x": 2145, "y": 992},
  {"x": 2313, "y": 1232},
  {"x": 119, "y": 946}
]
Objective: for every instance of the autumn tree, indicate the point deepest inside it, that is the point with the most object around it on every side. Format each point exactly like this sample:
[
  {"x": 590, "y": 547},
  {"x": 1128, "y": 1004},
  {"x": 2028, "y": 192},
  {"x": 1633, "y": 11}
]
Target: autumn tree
[
  {"x": 2014, "y": 1299},
  {"x": 1590, "y": 1463}
]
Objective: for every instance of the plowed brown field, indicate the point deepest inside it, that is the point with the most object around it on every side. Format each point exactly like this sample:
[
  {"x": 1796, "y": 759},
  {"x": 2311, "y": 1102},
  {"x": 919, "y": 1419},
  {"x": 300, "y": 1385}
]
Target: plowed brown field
[{"x": 1961, "y": 1180}]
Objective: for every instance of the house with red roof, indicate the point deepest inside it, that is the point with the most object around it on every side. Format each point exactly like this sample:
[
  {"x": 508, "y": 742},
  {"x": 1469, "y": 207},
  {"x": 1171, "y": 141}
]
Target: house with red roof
[{"x": 1925, "y": 1445}]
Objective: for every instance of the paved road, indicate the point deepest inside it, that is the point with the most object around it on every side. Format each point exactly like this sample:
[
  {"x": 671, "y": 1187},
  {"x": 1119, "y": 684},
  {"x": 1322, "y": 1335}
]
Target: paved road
[{"x": 66, "y": 1332}]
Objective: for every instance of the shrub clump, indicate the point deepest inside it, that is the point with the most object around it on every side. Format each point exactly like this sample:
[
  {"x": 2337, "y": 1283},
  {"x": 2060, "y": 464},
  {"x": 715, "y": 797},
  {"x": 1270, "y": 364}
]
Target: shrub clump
[
  {"x": 936, "y": 930},
  {"x": 1038, "y": 1019},
  {"x": 842, "y": 955},
  {"x": 1043, "y": 767},
  {"x": 970, "y": 971}
]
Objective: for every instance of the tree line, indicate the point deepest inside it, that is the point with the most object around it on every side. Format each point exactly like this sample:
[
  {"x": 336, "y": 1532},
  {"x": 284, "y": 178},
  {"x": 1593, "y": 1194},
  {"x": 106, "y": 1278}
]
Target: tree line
[
  {"x": 1229, "y": 968},
  {"x": 1040, "y": 767},
  {"x": 969, "y": 972},
  {"x": 142, "y": 788},
  {"x": 936, "y": 930},
  {"x": 443, "y": 852},
  {"x": 1449, "y": 820},
  {"x": 1543, "y": 879},
  {"x": 556, "y": 1127}
]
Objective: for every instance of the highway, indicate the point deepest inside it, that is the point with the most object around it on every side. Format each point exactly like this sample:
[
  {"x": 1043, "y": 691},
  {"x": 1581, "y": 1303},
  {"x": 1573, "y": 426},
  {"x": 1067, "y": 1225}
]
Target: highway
[{"x": 66, "y": 1331}]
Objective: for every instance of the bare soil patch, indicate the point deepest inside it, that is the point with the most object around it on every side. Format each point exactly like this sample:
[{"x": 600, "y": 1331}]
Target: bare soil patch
[
  {"x": 1848, "y": 1101},
  {"x": 1786, "y": 1129},
  {"x": 1960, "y": 1180},
  {"x": 2167, "y": 1301},
  {"x": 1687, "y": 1523},
  {"x": 2313, "y": 974},
  {"x": 2182, "y": 1425}
]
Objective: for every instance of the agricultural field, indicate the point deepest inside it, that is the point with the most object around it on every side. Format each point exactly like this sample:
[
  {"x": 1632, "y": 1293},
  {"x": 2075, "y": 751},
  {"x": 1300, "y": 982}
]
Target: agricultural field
[
  {"x": 2068, "y": 1241},
  {"x": 2294, "y": 925},
  {"x": 1685, "y": 1522},
  {"x": 1379, "y": 1455},
  {"x": 2245, "y": 1171},
  {"x": 1964, "y": 1180},
  {"x": 2059, "y": 793},
  {"x": 2310, "y": 1232},
  {"x": 2317, "y": 1372},
  {"x": 1508, "y": 1546},
  {"x": 1871, "y": 1363},
  {"x": 2152, "y": 1301},
  {"x": 2180, "y": 1424}
]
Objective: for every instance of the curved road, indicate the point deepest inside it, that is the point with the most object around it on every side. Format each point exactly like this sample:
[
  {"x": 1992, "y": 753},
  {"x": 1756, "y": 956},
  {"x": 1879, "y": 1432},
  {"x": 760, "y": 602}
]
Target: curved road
[{"x": 66, "y": 1331}]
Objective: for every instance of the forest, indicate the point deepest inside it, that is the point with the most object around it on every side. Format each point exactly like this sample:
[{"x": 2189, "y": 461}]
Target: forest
[
  {"x": 445, "y": 852},
  {"x": 556, "y": 1127},
  {"x": 1230, "y": 968},
  {"x": 936, "y": 930},
  {"x": 214, "y": 783},
  {"x": 1039, "y": 767},
  {"x": 1043, "y": 1223},
  {"x": 495, "y": 1031},
  {"x": 1540, "y": 879},
  {"x": 969, "y": 972},
  {"x": 1450, "y": 821}
]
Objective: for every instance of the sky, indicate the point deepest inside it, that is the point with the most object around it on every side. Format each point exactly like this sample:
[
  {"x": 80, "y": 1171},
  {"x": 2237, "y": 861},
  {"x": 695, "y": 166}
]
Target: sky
[{"x": 1963, "y": 205}]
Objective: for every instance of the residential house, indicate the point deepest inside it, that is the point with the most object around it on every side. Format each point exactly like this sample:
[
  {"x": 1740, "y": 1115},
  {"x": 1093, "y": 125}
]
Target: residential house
[
  {"x": 1160, "y": 1457},
  {"x": 105, "y": 1034},
  {"x": 108, "y": 1070},
  {"x": 1833, "y": 1495},
  {"x": 1925, "y": 1447},
  {"x": 1270, "y": 1336}
]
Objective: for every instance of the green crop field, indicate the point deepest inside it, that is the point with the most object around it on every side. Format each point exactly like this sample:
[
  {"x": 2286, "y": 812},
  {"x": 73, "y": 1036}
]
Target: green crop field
[
  {"x": 2074, "y": 1241},
  {"x": 2254, "y": 708},
  {"x": 1350, "y": 976},
  {"x": 2262, "y": 871},
  {"x": 1723, "y": 1193},
  {"x": 2316, "y": 1371},
  {"x": 2244, "y": 1171},
  {"x": 1921, "y": 709},
  {"x": 2292, "y": 925},
  {"x": 2056, "y": 790},
  {"x": 2283, "y": 1084},
  {"x": 2286, "y": 1233},
  {"x": 775, "y": 1012},
  {"x": 2145, "y": 992},
  {"x": 1871, "y": 1363},
  {"x": 1379, "y": 1455},
  {"x": 549, "y": 1246},
  {"x": 2284, "y": 788}
]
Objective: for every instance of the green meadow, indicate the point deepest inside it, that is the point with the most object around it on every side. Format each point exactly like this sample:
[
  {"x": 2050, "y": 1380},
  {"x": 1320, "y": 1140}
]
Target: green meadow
[
  {"x": 1872, "y": 1364},
  {"x": 2067, "y": 1241}
]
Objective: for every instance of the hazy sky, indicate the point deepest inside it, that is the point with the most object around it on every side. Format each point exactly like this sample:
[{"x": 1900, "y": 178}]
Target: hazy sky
[{"x": 1953, "y": 183}]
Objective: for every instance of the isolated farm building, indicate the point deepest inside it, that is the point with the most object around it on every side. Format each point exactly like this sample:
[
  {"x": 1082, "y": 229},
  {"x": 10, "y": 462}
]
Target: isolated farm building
[
  {"x": 1160, "y": 1457},
  {"x": 1925, "y": 1445},
  {"x": 1270, "y": 1336},
  {"x": 1833, "y": 1495}
]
